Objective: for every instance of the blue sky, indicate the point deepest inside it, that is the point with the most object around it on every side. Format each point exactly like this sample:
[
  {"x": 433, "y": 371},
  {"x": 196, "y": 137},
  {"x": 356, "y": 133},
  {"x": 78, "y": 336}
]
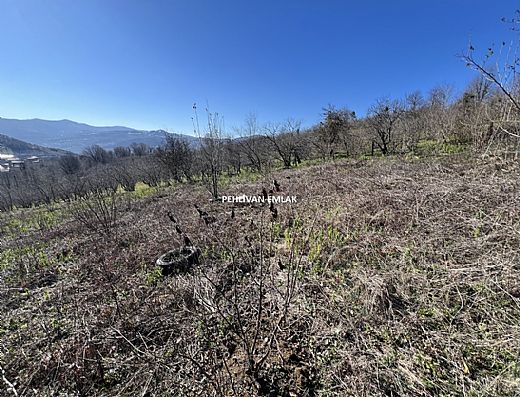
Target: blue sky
[{"x": 144, "y": 63}]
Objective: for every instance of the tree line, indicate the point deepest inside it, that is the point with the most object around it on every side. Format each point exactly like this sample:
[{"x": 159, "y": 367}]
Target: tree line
[{"x": 483, "y": 119}]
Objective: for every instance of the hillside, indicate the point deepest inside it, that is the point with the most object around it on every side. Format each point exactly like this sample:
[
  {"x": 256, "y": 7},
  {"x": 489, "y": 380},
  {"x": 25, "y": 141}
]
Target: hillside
[
  {"x": 75, "y": 137},
  {"x": 18, "y": 148},
  {"x": 386, "y": 278}
]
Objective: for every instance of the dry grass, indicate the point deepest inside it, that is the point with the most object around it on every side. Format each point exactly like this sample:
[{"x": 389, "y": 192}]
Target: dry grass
[{"x": 387, "y": 278}]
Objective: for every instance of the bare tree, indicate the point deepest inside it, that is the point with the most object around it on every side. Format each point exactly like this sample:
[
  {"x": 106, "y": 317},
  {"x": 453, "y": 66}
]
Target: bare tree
[
  {"x": 413, "y": 122},
  {"x": 153, "y": 172},
  {"x": 6, "y": 191},
  {"x": 177, "y": 156},
  {"x": 503, "y": 76},
  {"x": 333, "y": 130},
  {"x": 70, "y": 164},
  {"x": 140, "y": 149},
  {"x": 122, "y": 151},
  {"x": 441, "y": 114},
  {"x": 479, "y": 90},
  {"x": 500, "y": 66},
  {"x": 233, "y": 156},
  {"x": 285, "y": 140},
  {"x": 475, "y": 108},
  {"x": 211, "y": 149},
  {"x": 252, "y": 144},
  {"x": 382, "y": 122},
  {"x": 124, "y": 173},
  {"x": 97, "y": 154}
]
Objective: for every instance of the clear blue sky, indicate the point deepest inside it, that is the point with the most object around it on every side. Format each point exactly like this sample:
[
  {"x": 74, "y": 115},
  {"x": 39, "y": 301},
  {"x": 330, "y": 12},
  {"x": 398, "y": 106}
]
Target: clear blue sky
[{"x": 144, "y": 63}]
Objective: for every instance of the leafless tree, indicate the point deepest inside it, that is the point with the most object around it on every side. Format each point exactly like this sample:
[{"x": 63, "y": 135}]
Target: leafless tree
[
  {"x": 233, "y": 156},
  {"x": 211, "y": 149},
  {"x": 382, "y": 121},
  {"x": 153, "y": 172},
  {"x": 70, "y": 164},
  {"x": 441, "y": 114},
  {"x": 253, "y": 144},
  {"x": 177, "y": 156},
  {"x": 125, "y": 173},
  {"x": 413, "y": 122},
  {"x": 479, "y": 90},
  {"x": 140, "y": 149},
  {"x": 500, "y": 66},
  {"x": 285, "y": 140},
  {"x": 122, "y": 151},
  {"x": 97, "y": 154},
  {"x": 333, "y": 131},
  {"x": 6, "y": 191}
]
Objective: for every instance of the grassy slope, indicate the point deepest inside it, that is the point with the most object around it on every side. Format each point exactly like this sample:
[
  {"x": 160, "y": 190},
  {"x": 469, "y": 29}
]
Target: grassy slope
[{"x": 406, "y": 284}]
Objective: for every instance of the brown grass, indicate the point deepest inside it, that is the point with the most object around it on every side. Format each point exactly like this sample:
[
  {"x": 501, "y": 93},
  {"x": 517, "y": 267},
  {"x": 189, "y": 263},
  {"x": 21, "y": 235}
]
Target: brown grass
[{"x": 387, "y": 278}]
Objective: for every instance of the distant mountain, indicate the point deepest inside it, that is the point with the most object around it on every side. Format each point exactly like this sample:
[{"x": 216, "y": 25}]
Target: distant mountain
[
  {"x": 75, "y": 137},
  {"x": 21, "y": 149}
]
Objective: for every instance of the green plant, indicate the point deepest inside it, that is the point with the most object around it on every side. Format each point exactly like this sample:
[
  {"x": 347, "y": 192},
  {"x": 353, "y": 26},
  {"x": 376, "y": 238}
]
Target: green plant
[{"x": 153, "y": 276}]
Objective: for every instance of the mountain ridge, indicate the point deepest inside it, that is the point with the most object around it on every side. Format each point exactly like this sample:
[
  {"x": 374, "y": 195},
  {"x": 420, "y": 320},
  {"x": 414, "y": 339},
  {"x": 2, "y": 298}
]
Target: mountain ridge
[{"x": 75, "y": 136}]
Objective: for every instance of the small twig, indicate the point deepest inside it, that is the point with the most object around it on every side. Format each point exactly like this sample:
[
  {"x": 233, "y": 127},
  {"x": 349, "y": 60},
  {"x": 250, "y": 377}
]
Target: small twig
[{"x": 10, "y": 386}]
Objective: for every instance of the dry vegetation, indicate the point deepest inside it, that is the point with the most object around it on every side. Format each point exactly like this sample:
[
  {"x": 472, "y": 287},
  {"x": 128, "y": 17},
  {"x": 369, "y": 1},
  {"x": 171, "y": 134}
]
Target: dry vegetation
[
  {"x": 391, "y": 276},
  {"x": 387, "y": 278}
]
